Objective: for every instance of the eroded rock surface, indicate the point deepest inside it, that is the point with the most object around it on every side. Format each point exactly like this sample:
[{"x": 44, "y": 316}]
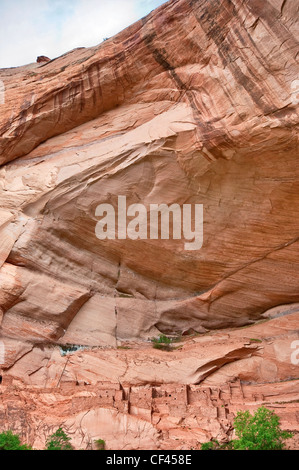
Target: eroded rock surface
[
  {"x": 137, "y": 397},
  {"x": 195, "y": 104}
]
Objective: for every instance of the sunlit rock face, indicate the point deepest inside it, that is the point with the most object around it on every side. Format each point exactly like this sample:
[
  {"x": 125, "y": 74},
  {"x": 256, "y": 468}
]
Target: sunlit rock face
[
  {"x": 195, "y": 104},
  {"x": 138, "y": 397}
]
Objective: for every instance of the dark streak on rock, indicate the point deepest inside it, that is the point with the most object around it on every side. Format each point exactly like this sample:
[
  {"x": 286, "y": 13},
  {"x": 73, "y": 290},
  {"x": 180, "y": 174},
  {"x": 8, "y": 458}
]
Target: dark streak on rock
[{"x": 215, "y": 21}]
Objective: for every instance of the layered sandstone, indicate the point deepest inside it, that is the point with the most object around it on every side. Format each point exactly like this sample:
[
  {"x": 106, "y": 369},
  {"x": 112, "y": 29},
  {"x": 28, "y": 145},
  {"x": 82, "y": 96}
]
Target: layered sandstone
[
  {"x": 141, "y": 398},
  {"x": 195, "y": 104},
  {"x": 259, "y": 354}
]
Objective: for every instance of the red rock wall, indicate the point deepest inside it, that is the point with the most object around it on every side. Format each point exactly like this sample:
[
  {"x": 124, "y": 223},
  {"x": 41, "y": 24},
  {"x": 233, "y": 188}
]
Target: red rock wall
[{"x": 196, "y": 103}]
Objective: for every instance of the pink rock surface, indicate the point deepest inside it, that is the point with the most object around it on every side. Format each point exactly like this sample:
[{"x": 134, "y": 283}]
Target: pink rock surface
[
  {"x": 191, "y": 105},
  {"x": 195, "y": 104}
]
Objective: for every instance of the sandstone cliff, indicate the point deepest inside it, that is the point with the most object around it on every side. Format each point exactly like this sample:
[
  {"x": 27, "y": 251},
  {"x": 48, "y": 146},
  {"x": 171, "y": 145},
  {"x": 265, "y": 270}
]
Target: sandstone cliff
[{"x": 195, "y": 104}]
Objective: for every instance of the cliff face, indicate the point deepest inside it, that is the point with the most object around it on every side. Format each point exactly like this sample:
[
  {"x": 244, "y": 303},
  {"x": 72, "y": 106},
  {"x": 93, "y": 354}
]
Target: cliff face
[
  {"x": 195, "y": 104},
  {"x": 136, "y": 397}
]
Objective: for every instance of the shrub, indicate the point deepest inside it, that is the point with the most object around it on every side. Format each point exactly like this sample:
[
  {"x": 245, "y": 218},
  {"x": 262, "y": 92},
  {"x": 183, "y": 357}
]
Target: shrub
[
  {"x": 162, "y": 339},
  {"x": 212, "y": 445},
  {"x": 10, "y": 441},
  {"x": 260, "y": 431},
  {"x": 100, "y": 444},
  {"x": 162, "y": 342},
  {"x": 70, "y": 348},
  {"x": 58, "y": 441},
  {"x": 227, "y": 446},
  {"x": 215, "y": 445}
]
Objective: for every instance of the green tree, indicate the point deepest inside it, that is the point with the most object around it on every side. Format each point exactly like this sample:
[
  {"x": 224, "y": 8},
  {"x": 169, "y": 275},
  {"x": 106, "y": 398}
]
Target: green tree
[
  {"x": 260, "y": 431},
  {"x": 162, "y": 342},
  {"x": 59, "y": 441},
  {"x": 10, "y": 441},
  {"x": 100, "y": 444}
]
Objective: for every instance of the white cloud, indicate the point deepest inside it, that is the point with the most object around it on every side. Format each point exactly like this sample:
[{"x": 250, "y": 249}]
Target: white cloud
[
  {"x": 19, "y": 31},
  {"x": 94, "y": 20},
  {"x": 29, "y": 28}
]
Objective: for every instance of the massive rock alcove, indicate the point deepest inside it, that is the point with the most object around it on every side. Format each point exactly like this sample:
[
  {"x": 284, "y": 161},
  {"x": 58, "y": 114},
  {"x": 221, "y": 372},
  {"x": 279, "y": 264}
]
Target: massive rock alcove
[{"x": 195, "y": 104}]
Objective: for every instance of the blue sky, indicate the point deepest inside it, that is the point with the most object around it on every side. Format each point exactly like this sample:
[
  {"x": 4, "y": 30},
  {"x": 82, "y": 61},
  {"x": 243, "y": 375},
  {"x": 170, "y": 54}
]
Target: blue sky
[{"x": 29, "y": 28}]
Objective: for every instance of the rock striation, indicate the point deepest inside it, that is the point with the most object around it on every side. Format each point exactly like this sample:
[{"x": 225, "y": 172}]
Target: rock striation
[
  {"x": 192, "y": 104},
  {"x": 136, "y": 397},
  {"x": 141, "y": 418}
]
